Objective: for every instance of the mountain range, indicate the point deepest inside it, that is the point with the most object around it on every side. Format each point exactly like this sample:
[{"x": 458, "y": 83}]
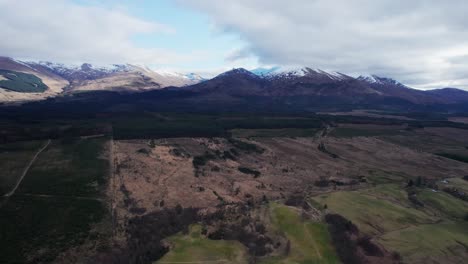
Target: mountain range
[
  {"x": 274, "y": 88},
  {"x": 64, "y": 79}
]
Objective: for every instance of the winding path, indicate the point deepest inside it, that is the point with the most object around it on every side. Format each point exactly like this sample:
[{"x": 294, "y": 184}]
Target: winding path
[{"x": 10, "y": 193}]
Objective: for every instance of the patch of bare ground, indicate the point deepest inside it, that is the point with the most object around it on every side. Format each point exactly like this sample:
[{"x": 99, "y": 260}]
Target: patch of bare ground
[
  {"x": 148, "y": 178},
  {"x": 458, "y": 119},
  {"x": 165, "y": 175},
  {"x": 151, "y": 177}
]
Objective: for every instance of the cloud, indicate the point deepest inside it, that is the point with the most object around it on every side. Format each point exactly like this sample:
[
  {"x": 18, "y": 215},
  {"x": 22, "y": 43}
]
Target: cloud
[
  {"x": 63, "y": 31},
  {"x": 238, "y": 54},
  {"x": 423, "y": 43}
]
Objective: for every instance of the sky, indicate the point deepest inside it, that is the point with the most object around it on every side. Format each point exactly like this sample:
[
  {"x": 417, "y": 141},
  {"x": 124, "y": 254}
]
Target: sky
[{"x": 421, "y": 43}]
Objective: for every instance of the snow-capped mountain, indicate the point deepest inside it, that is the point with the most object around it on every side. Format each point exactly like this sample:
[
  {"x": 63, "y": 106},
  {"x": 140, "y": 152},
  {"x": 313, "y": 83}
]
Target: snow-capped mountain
[
  {"x": 85, "y": 71},
  {"x": 62, "y": 78},
  {"x": 237, "y": 72},
  {"x": 304, "y": 82},
  {"x": 295, "y": 72},
  {"x": 194, "y": 77},
  {"x": 374, "y": 79},
  {"x": 189, "y": 76},
  {"x": 274, "y": 82},
  {"x": 265, "y": 71}
]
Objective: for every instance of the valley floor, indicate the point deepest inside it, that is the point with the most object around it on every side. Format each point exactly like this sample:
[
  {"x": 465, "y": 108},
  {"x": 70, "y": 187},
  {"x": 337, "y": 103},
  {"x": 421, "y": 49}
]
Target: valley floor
[{"x": 348, "y": 193}]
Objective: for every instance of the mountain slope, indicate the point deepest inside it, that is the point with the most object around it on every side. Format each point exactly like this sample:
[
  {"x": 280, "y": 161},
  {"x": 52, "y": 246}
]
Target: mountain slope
[
  {"x": 115, "y": 77},
  {"x": 54, "y": 83},
  {"x": 305, "y": 89},
  {"x": 59, "y": 79},
  {"x": 234, "y": 82},
  {"x": 21, "y": 82},
  {"x": 292, "y": 89},
  {"x": 450, "y": 95}
]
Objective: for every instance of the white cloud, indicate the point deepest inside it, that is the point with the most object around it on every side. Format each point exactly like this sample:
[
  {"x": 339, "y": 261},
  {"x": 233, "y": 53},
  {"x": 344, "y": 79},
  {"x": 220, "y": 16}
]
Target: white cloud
[
  {"x": 423, "y": 43},
  {"x": 62, "y": 31}
]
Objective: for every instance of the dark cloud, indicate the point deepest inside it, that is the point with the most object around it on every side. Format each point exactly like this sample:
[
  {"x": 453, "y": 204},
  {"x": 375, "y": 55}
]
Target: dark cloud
[{"x": 421, "y": 43}]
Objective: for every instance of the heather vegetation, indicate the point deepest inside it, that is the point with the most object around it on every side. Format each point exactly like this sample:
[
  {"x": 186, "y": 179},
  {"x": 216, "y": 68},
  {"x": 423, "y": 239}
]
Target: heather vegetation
[{"x": 232, "y": 188}]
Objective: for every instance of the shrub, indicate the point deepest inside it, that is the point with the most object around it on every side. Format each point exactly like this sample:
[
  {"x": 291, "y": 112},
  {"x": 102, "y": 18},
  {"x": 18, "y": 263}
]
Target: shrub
[
  {"x": 143, "y": 151},
  {"x": 228, "y": 155},
  {"x": 322, "y": 182},
  {"x": 321, "y": 147},
  {"x": 369, "y": 247},
  {"x": 179, "y": 153},
  {"x": 414, "y": 199},
  {"x": 244, "y": 146},
  {"x": 396, "y": 256},
  {"x": 419, "y": 181},
  {"x": 178, "y": 209},
  {"x": 340, "y": 230},
  {"x": 152, "y": 144},
  {"x": 202, "y": 160},
  {"x": 245, "y": 170}
]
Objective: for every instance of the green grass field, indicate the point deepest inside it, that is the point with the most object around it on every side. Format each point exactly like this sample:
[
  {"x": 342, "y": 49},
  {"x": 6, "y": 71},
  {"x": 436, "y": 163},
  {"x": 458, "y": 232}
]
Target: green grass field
[
  {"x": 458, "y": 183},
  {"x": 310, "y": 241},
  {"x": 389, "y": 192},
  {"x": 14, "y": 157},
  {"x": 372, "y": 214},
  {"x": 69, "y": 168},
  {"x": 435, "y": 243},
  {"x": 378, "y": 177},
  {"x": 431, "y": 234},
  {"x": 280, "y": 132},
  {"x": 444, "y": 203},
  {"x": 196, "y": 248}
]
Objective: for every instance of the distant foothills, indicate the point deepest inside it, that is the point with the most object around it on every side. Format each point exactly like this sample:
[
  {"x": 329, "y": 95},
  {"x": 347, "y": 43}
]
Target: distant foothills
[{"x": 275, "y": 89}]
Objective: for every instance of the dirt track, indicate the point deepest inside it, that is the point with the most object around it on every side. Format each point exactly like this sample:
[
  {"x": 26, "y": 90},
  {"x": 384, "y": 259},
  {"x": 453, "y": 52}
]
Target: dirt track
[{"x": 10, "y": 193}]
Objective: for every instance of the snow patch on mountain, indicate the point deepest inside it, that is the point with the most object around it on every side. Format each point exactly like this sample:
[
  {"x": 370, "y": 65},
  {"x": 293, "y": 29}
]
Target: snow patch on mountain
[
  {"x": 189, "y": 76},
  {"x": 194, "y": 77},
  {"x": 374, "y": 79},
  {"x": 22, "y": 63},
  {"x": 86, "y": 67},
  {"x": 280, "y": 71},
  {"x": 294, "y": 72}
]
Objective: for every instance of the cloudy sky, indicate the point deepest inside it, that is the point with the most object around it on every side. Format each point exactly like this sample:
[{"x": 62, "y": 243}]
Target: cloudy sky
[{"x": 423, "y": 44}]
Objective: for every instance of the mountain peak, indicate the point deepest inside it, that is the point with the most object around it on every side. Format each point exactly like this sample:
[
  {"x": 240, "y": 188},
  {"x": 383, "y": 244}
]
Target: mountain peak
[
  {"x": 296, "y": 72},
  {"x": 238, "y": 72},
  {"x": 374, "y": 79},
  {"x": 86, "y": 67}
]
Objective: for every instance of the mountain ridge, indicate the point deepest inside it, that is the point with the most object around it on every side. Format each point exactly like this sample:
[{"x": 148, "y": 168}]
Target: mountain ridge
[
  {"x": 63, "y": 79},
  {"x": 304, "y": 87}
]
